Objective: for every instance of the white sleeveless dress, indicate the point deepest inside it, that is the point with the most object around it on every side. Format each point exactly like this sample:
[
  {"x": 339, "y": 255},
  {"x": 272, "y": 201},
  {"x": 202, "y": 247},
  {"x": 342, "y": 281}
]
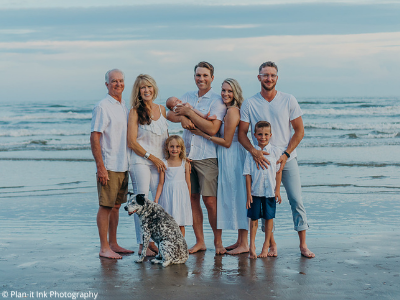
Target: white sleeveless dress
[
  {"x": 175, "y": 198},
  {"x": 231, "y": 195}
]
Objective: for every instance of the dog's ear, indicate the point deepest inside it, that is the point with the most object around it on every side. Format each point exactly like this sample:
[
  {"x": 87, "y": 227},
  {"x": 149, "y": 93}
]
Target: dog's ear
[{"x": 140, "y": 199}]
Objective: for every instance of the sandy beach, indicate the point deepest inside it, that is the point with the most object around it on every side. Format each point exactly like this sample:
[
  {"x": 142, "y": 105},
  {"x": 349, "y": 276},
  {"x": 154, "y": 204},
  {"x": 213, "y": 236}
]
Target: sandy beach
[{"x": 49, "y": 247}]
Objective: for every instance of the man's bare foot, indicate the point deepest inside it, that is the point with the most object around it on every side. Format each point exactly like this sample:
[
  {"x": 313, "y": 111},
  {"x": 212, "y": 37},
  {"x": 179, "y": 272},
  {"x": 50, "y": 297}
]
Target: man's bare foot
[
  {"x": 231, "y": 247},
  {"x": 238, "y": 250},
  {"x": 264, "y": 251},
  {"x": 148, "y": 251},
  {"x": 252, "y": 253},
  {"x": 306, "y": 252},
  {"x": 153, "y": 248},
  {"x": 219, "y": 250},
  {"x": 273, "y": 251},
  {"x": 109, "y": 254},
  {"x": 197, "y": 248},
  {"x": 119, "y": 249}
]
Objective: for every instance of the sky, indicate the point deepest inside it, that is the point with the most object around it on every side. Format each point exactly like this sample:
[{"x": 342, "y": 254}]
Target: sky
[{"x": 56, "y": 50}]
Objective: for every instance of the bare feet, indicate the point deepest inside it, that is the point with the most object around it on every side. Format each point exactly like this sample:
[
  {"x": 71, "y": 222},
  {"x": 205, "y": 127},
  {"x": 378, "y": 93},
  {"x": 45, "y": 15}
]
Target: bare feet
[
  {"x": 253, "y": 253},
  {"x": 109, "y": 254},
  {"x": 231, "y": 247},
  {"x": 198, "y": 247},
  {"x": 273, "y": 251},
  {"x": 119, "y": 249},
  {"x": 238, "y": 250},
  {"x": 153, "y": 247},
  {"x": 148, "y": 251},
  {"x": 219, "y": 250},
  {"x": 264, "y": 251},
  {"x": 306, "y": 252}
]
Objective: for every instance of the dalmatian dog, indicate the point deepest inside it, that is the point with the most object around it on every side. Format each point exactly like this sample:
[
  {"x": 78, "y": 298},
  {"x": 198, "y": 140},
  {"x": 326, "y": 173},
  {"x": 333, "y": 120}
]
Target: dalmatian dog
[{"x": 157, "y": 224}]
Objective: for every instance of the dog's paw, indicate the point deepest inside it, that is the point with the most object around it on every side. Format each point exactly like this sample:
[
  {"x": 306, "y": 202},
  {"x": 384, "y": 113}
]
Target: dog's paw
[
  {"x": 156, "y": 261},
  {"x": 166, "y": 263},
  {"x": 139, "y": 260}
]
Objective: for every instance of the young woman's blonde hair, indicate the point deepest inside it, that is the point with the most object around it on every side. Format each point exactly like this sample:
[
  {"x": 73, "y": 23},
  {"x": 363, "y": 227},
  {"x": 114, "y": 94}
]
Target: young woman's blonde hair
[
  {"x": 143, "y": 110},
  {"x": 237, "y": 91},
  {"x": 181, "y": 143}
]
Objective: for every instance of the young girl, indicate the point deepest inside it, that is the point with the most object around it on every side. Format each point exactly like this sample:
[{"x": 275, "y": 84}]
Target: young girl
[{"x": 173, "y": 191}]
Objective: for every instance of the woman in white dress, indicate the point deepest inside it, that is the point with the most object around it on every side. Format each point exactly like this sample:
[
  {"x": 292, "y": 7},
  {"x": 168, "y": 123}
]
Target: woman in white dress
[
  {"x": 147, "y": 132},
  {"x": 231, "y": 196}
]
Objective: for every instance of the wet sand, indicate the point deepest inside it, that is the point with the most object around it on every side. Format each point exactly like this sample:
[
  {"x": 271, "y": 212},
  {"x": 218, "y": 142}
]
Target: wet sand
[{"x": 50, "y": 244}]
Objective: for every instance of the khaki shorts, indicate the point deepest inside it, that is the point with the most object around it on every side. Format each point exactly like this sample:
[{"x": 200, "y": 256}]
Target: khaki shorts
[
  {"x": 115, "y": 191},
  {"x": 204, "y": 177}
]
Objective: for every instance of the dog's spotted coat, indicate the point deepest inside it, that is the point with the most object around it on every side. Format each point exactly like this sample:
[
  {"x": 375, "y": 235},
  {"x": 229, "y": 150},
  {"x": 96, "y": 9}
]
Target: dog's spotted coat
[{"x": 157, "y": 224}]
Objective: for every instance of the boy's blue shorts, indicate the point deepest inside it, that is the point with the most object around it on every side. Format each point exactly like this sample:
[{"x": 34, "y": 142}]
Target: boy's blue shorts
[{"x": 262, "y": 207}]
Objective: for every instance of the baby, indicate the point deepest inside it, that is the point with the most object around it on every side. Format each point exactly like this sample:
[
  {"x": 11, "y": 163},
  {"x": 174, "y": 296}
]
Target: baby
[{"x": 173, "y": 102}]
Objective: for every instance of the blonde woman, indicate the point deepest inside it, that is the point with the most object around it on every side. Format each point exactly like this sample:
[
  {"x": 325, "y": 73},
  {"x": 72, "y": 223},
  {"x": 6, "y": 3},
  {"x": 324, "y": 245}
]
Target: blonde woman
[
  {"x": 231, "y": 195},
  {"x": 147, "y": 132}
]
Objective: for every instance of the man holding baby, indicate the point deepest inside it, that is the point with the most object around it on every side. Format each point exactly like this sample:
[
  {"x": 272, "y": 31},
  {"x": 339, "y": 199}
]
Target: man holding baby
[{"x": 201, "y": 151}]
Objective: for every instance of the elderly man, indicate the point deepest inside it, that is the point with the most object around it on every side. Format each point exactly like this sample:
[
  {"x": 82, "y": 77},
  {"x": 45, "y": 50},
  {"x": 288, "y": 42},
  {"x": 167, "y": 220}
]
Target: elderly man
[
  {"x": 109, "y": 147},
  {"x": 202, "y": 152},
  {"x": 283, "y": 112}
]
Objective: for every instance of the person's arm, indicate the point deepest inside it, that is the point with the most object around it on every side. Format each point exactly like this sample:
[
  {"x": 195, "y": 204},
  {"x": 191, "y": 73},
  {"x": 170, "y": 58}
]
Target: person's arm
[
  {"x": 278, "y": 187},
  {"x": 187, "y": 176},
  {"x": 248, "y": 191},
  {"x": 135, "y": 146},
  {"x": 185, "y": 122},
  {"x": 298, "y": 135},
  {"x": 159, "y": 187},
  {"x": 231, "y": 122},
  {"x": 258, "y": 155},
  {"x": 210, "y": 127},
  {"x": 102, "y": 174}
]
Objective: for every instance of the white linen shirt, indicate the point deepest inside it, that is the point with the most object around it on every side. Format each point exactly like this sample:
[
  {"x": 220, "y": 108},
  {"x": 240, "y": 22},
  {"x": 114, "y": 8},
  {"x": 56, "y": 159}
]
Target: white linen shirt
[
  {"x": 279, "y": 112},
  {"x": 110, "y": 117},
  {"x": 198, "y": 147},
  {"x": 263, "y": 181}
]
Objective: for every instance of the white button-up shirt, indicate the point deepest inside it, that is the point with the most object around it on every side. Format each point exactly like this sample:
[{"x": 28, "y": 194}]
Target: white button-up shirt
[
  {"x": 198, "y": 147},
  {"x": 283, "y": 109},
  {"x": 110, "y": 117},
  {"x": 263, "y": 181}
]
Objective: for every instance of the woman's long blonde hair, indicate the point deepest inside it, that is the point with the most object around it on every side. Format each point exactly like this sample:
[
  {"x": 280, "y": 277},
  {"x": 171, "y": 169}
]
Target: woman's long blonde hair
[
  {"x": 237, "y": 91},
  {"x": 143, "y": 110}
]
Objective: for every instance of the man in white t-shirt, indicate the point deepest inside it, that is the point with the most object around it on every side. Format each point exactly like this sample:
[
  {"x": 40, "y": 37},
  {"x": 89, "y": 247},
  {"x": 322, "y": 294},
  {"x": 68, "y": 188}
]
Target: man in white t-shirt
[
  {"x": 283, "y": 112},
  {"x": 202, "y": 152},
  {"x": 109, "y": 147}
]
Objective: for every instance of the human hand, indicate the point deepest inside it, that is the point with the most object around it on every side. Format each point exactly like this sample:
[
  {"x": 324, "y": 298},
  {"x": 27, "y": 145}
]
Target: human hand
[
  {"x": 187, "y": 124},
  {"x": 183, "y": 110},
  {"x": 278, "y": 197},
  {"x": 158, "y": 163},
  {"x": 249, "y": 201},
  {"x": 282, "y": 160},
  {"x": 102, "y": 175},
  {"x": 261, "y": 161}
]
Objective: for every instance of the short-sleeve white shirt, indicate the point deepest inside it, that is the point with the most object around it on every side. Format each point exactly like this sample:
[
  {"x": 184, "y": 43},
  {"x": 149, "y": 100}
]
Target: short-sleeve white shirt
[
  {"x": 110, "y": 117},
  {"x": 283, "y": 109},
  {"x": 263, "y": 181},
  {"x": 198, "y": 147}
]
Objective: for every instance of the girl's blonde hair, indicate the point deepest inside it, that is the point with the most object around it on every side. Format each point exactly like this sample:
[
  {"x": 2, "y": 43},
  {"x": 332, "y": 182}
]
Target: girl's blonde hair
[
  {"x": 181, "y": 143},
  {"x": 143, "y": 110},
  {"x": 237, "y": 91}
]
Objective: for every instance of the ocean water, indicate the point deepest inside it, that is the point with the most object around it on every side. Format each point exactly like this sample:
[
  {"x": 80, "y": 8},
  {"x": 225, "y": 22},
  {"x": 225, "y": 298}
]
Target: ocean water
[{"x": 349, "y": 163}]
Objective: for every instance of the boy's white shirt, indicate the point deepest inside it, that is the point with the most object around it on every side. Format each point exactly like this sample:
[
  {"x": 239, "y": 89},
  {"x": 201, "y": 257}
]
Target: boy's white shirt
[{"x": 263, "y": 181}]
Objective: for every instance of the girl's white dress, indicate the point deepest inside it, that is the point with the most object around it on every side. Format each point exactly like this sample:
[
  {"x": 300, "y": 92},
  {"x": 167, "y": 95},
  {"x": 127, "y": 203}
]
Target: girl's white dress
[
  {"x": 175, "y": 198},
  {"x": 231, "y": 196}
]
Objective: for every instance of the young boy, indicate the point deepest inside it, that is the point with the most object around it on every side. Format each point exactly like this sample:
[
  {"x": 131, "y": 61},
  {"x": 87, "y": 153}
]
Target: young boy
[
  {"x": 263, "y": 188},
  {"x": 173, "y": 102}
]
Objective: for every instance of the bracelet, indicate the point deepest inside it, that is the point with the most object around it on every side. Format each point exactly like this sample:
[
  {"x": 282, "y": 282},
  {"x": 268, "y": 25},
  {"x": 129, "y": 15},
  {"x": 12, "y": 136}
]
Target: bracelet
[
  {"x": 210, "y": 138},
  {"x": 287, "y": 154},
  {"x": 147, "y": 155}
]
